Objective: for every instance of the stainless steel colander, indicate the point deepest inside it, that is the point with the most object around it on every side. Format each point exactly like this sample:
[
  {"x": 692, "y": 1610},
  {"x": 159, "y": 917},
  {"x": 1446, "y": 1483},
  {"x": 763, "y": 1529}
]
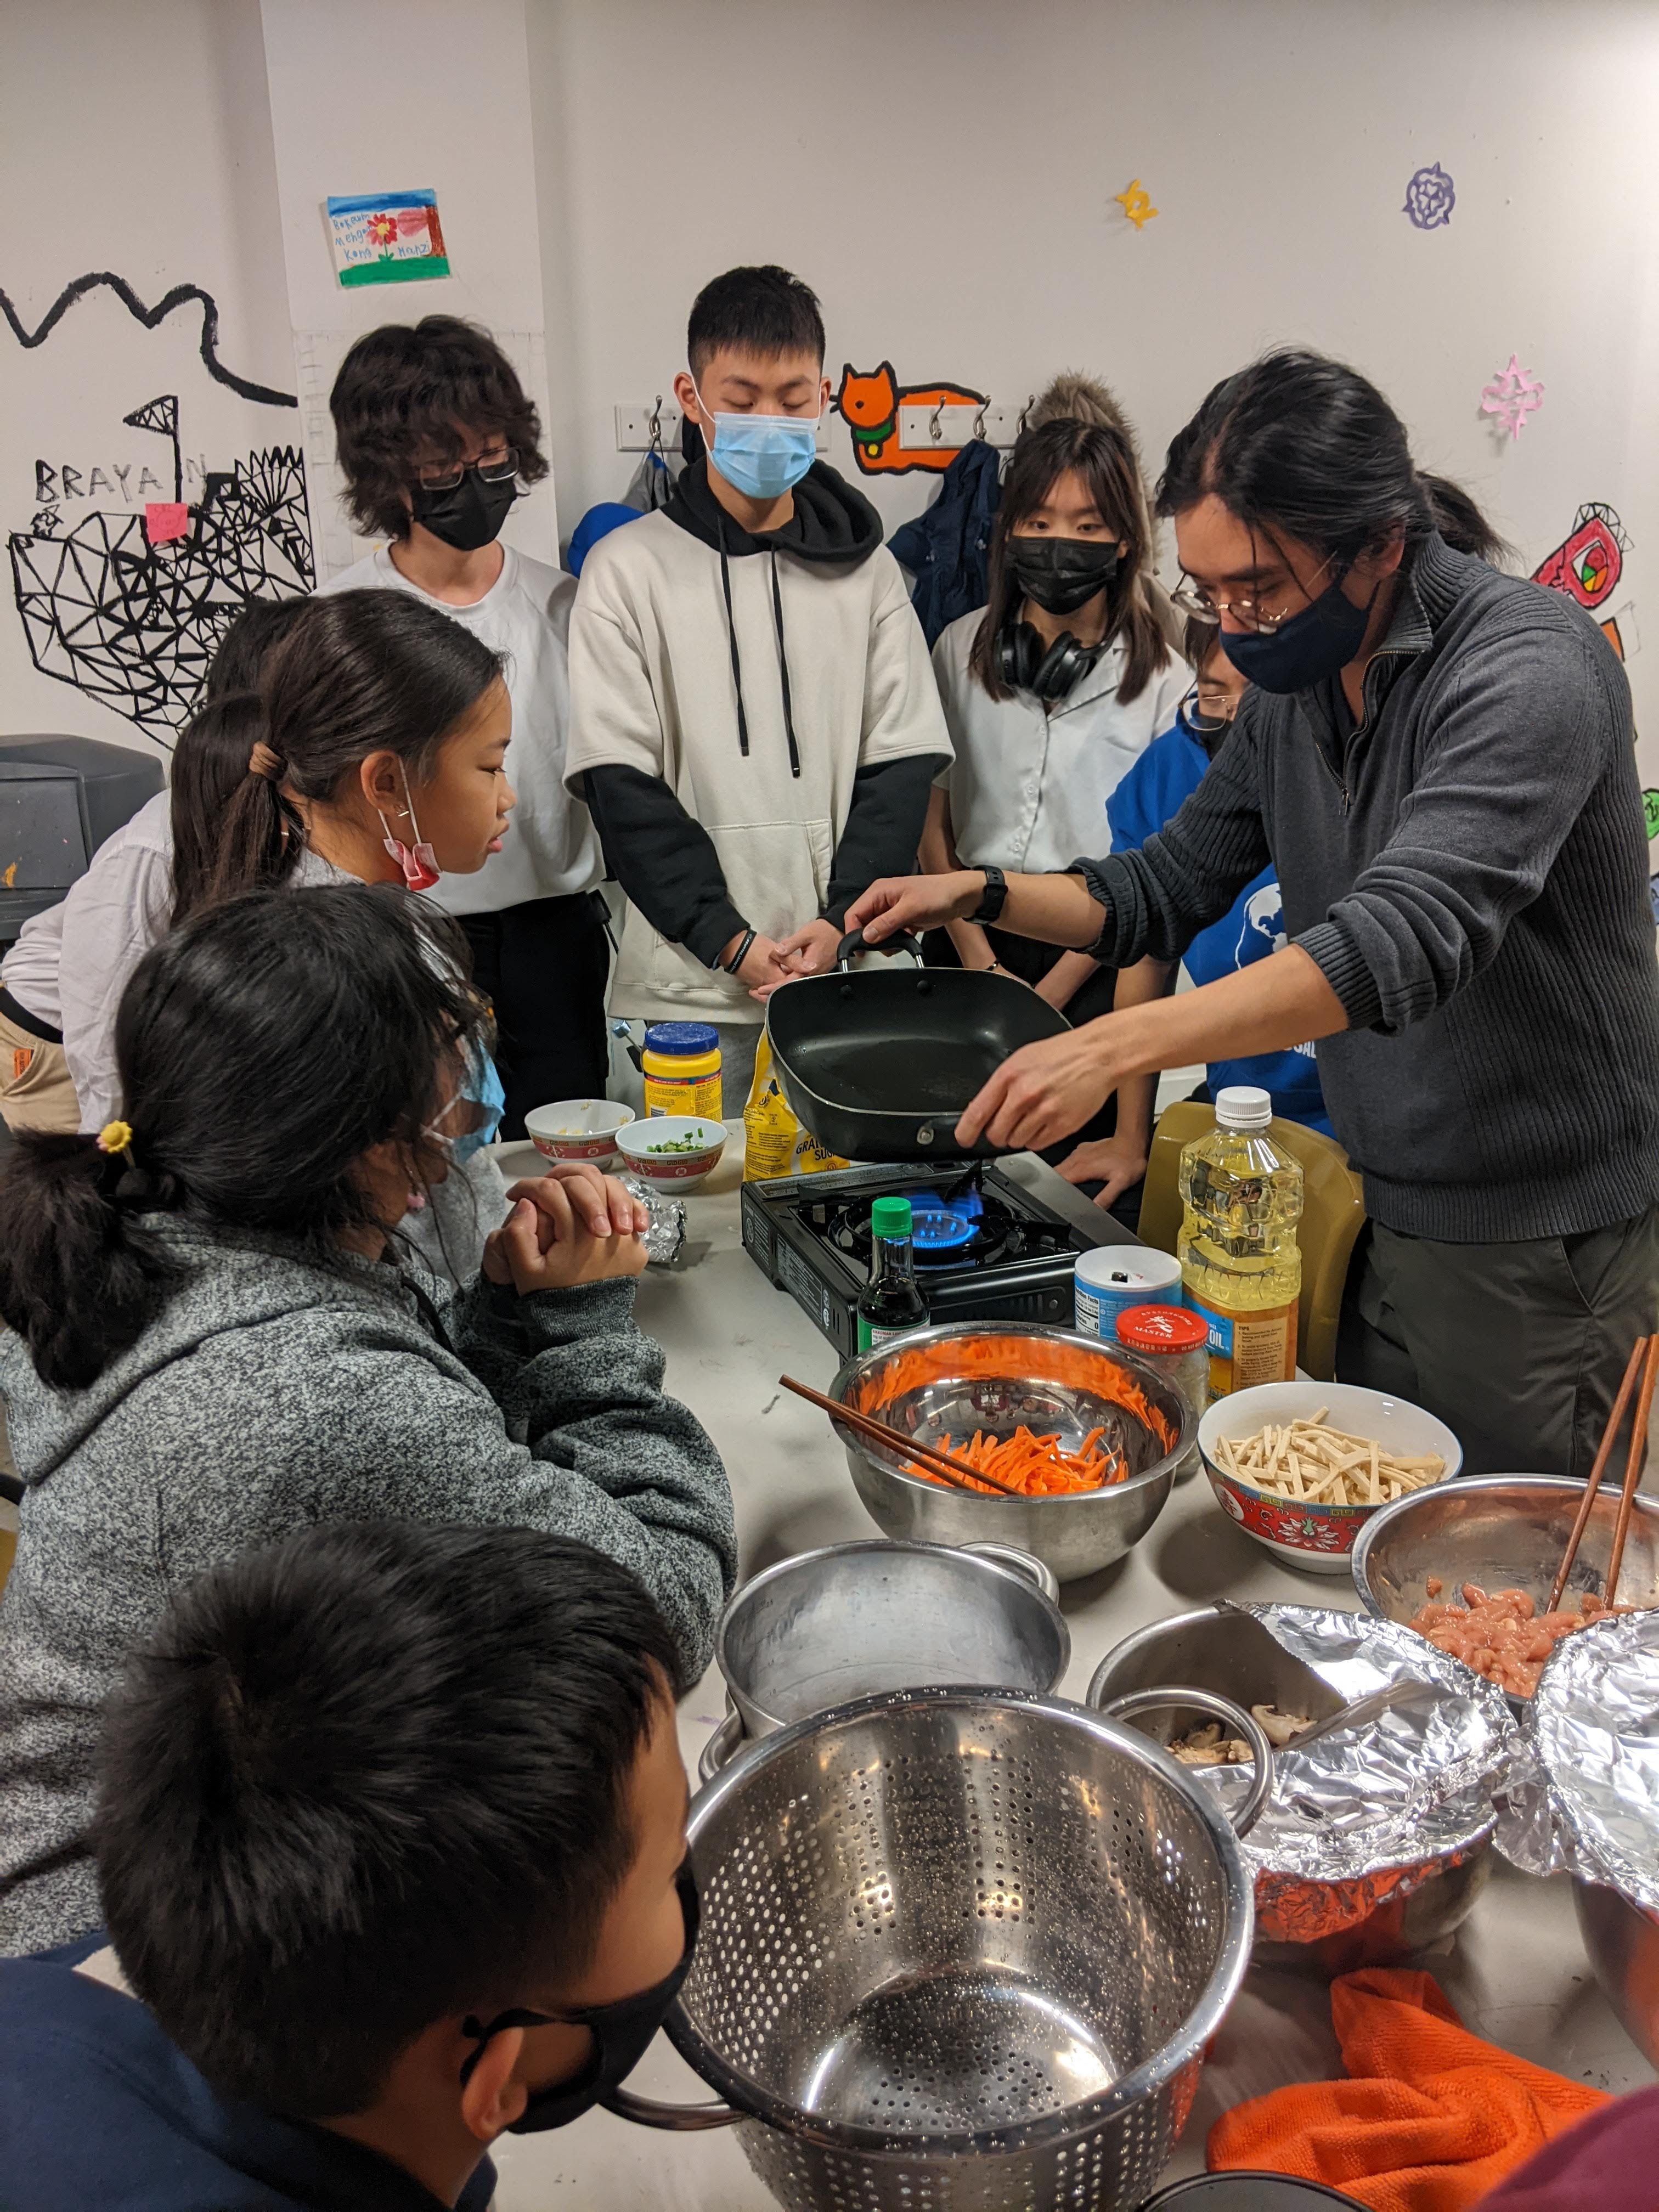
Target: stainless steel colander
[{"x": 960, "y": 1952}]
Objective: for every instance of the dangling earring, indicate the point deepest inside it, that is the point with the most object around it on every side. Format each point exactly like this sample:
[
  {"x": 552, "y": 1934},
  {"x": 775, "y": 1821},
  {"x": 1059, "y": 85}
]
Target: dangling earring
[{"x": 418, "y": 861}]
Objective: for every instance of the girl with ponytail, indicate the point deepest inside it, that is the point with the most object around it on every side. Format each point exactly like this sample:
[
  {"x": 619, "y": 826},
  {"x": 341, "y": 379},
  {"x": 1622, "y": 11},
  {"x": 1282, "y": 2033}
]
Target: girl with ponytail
[{"x": 210, "y": 1339}]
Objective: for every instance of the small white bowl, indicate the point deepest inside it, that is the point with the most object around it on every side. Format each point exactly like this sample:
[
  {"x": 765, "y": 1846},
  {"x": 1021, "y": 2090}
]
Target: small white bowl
[
  {"x": 675, "y": 1172},
  {"x": 583, "y": 1129},
  {"x": 1318, "y": 1538}
]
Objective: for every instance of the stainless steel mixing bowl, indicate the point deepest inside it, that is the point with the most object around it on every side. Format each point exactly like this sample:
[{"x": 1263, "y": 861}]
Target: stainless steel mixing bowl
[
  {"x": 961, "y": 1950},
  {"x": 1622, "y": 1940},
  {"x": 851, "y": 1619},
  {"x": 1328, "y": 1927},
  {"x": 1045, "y": 1382},
  {"x": 1505, "y": 1532}
]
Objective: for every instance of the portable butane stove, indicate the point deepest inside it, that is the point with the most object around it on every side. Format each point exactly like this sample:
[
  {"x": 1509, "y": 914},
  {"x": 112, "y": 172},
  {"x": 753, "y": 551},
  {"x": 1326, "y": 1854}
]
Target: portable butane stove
[{"x": 986, "y": 1248}]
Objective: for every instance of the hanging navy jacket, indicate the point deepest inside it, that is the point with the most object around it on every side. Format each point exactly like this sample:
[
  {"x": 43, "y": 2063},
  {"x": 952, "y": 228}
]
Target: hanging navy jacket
[{"x": 946, "y": 549}]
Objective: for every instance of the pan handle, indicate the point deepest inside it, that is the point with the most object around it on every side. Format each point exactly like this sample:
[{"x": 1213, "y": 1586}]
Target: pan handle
[{"x": 853, "y": 943}]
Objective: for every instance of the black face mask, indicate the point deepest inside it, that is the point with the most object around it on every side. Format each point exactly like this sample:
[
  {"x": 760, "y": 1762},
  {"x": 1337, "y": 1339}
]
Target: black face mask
[
  {"x": 467, "y": 517},
  {"x": 620, "y": 2032},
  {"x": 1061, "y": 573}
]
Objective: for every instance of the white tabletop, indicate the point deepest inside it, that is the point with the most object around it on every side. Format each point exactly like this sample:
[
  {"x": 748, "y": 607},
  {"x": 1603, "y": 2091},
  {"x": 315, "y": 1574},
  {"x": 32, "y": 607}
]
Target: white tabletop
[{"x": 1516, "y": 1972}]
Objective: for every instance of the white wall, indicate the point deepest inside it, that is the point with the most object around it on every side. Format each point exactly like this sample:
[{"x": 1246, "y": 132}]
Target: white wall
[
  {"x": 944, "y": 173},
  {"x": 136, "y": 140},
  {"x": 378, "y": 95}
]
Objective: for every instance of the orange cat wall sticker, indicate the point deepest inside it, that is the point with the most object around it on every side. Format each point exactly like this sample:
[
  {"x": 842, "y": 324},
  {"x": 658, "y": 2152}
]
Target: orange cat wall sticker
[{"x": 869, "y": 406}]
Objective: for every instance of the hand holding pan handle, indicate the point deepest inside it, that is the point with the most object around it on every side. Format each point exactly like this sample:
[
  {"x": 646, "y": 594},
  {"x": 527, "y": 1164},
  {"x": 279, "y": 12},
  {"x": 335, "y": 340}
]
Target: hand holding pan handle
[{"x": 853, "y": 943}]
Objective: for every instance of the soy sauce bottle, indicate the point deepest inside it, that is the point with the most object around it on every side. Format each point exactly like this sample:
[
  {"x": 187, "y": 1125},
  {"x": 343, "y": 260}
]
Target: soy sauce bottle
[{"x": 891, "y": 1305}]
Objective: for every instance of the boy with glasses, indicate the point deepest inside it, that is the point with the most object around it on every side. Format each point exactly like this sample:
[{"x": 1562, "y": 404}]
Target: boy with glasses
[{"x": 436, "y": 435}]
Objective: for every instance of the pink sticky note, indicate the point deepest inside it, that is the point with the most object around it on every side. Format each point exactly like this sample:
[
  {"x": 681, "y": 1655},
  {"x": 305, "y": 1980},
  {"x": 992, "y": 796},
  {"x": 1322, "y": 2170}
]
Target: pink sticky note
[{"x": 164, "y": 519}]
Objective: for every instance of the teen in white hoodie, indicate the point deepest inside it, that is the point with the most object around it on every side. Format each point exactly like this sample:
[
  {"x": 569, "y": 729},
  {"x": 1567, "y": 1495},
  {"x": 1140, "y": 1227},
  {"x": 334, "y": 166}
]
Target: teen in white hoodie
[{"x": 754, "y": 721}]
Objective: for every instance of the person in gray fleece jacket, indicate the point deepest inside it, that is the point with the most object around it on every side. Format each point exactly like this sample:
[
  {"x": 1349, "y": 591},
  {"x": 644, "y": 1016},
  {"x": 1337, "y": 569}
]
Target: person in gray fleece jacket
[{"x": 213, "y": 1343}]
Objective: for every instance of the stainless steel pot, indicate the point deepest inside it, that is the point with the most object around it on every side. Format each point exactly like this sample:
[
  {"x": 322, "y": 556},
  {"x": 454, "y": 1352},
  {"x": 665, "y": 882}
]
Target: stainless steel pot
[
  {"x": 1046, "y": 1383},
  {"x": 851, "y": 1619},
  {"x": 1328, "y": 1927},
  {"x": 1622, "y": 1941},
  {"x": 960, "y": 1950}
]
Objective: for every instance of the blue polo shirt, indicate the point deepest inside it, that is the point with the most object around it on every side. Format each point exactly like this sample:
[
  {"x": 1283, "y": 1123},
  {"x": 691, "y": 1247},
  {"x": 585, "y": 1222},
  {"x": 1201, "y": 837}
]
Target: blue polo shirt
[
  {"x": 97, "y": 2109},
  {"x": 1166, "y": 774}
]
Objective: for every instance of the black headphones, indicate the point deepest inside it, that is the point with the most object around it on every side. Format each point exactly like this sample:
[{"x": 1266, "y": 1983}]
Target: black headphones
[{"x": 1053, "y": 671}]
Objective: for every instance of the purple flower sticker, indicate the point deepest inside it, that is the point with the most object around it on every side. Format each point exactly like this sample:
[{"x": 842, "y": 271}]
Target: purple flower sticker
[{"x": 1430, "y": 197}]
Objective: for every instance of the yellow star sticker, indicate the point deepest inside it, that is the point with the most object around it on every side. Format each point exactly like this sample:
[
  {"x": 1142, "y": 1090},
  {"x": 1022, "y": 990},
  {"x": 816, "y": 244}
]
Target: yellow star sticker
[{"x": 1135, "y": 203}]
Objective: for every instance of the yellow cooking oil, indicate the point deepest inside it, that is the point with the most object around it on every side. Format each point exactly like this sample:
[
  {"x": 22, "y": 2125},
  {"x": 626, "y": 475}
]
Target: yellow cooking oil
[{"x": 1241, "y": 1197}]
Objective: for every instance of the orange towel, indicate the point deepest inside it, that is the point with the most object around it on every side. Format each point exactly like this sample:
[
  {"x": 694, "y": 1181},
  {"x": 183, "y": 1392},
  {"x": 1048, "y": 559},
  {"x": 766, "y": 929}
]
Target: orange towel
[{"x": 1432, "y": 2118}]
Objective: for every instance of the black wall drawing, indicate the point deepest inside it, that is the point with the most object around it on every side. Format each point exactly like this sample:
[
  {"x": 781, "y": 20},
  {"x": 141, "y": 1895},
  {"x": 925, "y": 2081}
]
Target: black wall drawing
[
  {"x": 135, "y": 624},
  {"x": 148, "y": 317}
]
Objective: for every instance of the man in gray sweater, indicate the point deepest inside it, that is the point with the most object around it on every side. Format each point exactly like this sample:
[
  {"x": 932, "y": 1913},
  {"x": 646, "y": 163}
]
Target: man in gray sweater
[{"x": 1437, "y": 760}]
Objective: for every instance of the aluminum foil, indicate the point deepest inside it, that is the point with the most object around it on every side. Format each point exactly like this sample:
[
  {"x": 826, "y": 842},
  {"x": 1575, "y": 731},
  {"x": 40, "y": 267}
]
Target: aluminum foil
[
  {"x": 664, "y": 1235},
  {"x": 1593, "y": 1725},
  {"x": 1385, "y": 1808}
]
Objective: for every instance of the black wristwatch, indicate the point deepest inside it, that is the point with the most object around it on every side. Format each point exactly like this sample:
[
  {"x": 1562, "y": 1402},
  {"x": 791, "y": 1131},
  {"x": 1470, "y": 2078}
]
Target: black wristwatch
[{"x": 996, "y": 890}]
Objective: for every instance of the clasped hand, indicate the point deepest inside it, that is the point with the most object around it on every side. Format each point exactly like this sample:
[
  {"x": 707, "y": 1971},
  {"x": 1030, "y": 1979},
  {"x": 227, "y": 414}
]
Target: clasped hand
[{"x": 571, "y": 1225}]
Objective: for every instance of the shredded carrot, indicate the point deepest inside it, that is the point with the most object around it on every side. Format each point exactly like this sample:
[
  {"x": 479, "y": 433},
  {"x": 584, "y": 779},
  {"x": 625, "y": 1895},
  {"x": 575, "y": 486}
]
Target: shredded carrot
[{"x": 1035, "y": 1465}]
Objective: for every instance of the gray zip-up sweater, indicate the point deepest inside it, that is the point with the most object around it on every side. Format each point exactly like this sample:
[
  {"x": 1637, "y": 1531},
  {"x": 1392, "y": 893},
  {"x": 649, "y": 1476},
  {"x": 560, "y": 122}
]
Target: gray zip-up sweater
[
  {"x": 1467, "y": 865},
  {"x": 270, "y": 1393}
]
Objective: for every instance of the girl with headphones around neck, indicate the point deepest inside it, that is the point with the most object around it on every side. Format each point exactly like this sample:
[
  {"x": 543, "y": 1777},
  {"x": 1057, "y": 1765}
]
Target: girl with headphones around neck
[{"x": 1052, "y": 692}]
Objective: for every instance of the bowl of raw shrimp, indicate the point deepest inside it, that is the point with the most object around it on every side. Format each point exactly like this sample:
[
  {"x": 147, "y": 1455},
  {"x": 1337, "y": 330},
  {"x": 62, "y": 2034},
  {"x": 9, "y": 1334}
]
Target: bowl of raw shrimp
[{"x": 1470, "y": 1565}]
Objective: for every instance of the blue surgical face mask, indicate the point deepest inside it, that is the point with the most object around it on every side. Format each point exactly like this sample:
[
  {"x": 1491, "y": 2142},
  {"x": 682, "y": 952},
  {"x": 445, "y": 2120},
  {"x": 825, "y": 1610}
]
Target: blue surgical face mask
[
  {"x": 481, "y": 1086},
  {"x": 762, "y": 456},
  {"x": 1305, "y": 650}
]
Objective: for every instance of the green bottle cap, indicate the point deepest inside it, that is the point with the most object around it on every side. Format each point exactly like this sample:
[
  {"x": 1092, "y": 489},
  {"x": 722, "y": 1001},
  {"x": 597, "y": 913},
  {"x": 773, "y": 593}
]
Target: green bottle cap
[{"x": 891, "y": 1217}]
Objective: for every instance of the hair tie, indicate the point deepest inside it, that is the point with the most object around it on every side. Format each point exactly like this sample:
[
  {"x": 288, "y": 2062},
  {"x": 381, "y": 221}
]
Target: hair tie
[
  {"x": 262, "y": 761},
  {"x": 115, "y": 1138}
]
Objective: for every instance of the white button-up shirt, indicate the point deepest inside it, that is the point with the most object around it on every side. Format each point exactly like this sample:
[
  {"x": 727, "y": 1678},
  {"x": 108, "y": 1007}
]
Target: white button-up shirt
[{"x": 1028, "y": 789}]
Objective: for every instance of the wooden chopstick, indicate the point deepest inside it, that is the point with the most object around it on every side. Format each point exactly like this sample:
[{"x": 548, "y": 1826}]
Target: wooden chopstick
[
  {"x": 937, "y": 1462},
  {"x": 1633, "y": 1466},
  {"x": 1603, "y": 1453}
]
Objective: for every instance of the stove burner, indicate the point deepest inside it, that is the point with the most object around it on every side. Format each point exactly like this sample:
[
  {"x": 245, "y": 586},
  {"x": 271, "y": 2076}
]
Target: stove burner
[
  {"x": 944, "y": 1233},
  {"x": 938, "y": 1229}
]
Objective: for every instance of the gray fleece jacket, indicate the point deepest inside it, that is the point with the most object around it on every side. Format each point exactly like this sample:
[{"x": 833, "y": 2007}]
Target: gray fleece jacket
[{"x": 270, "y": 1393}]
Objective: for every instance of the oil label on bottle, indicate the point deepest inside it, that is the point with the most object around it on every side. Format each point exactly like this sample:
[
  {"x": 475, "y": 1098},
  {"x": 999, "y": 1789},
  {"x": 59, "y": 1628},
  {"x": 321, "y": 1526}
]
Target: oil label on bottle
[{"x": 1257, "y": 1345}]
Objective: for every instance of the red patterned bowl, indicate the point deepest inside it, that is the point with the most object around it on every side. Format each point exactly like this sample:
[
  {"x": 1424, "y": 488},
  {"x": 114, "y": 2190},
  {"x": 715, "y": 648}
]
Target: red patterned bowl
[
  {"x": 642, "y": 1146},
  {"x": 1317, "y": 1537},
  {"x": 578, "y": 1129}
]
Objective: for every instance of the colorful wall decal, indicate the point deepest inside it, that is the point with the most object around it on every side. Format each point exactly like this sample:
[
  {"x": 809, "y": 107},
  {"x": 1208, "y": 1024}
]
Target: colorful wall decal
[
  {"x": 388, "y": 238},
  {"x": 1513, "y": 394},
  {"x": 1135, "y": 203},
  {"x": 1587, "y": 564},
  {"x": 1650, "y": 813},
  {"x": 1430, "y": 197},
  {"x": 869, "y": 402}
]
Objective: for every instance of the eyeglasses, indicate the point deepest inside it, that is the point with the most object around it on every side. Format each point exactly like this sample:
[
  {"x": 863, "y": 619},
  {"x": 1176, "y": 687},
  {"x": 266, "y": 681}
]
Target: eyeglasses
[
  {"x": 1193, "y": 599},
  {"x": 497, "y": 470},
  {"x": 1208, "y": 715}
]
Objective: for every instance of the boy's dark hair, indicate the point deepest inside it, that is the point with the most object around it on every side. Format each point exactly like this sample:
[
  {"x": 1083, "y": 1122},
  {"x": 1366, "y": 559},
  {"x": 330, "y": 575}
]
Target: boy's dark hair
[
  {"x": 356, "y": 673},
  {"x": 372, "y": 1777},
  {"x": 1199, "y": 640},
  {"x": 262, "y": 1049},
  {"x": 1299, "y": 446},
  {"x": 210, "y": 757},
  {"x": 762, "y": 311},
  {"x": 409, "y": 393},
  {"x": 1105, "y": 459},
  {"x": 261, "y": 624}
]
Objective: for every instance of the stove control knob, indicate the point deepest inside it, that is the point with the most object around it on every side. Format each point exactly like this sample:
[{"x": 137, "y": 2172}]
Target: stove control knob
[{"x": 925, "y": 1134}]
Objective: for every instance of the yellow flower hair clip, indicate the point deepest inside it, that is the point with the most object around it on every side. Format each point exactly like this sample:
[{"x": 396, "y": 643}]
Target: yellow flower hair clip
[{"x": 116, "y": 1138}]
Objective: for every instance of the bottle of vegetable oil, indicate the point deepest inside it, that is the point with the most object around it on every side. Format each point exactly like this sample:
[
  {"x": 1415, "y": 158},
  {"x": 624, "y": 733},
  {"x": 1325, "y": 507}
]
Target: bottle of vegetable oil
[{"x": 1242, "y": 1198}]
